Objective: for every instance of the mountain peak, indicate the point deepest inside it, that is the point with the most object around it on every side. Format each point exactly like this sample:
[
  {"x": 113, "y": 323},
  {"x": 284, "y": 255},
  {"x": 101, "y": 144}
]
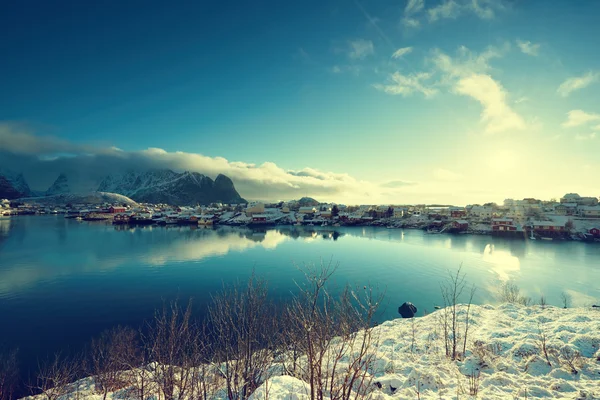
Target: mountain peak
[
  {"x": 60, "y": 186},
  {"x": 13, "y": 185}
]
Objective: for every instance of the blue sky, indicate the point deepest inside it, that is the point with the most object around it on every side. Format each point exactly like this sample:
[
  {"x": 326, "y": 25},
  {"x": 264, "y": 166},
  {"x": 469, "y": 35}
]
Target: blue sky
[{"x": 383, "y": 101}]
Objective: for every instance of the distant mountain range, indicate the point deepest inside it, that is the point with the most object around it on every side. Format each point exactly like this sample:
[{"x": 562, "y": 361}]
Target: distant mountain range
[
  {"x": 156, "y": 186},
  {"x": 166, "y": 186}
]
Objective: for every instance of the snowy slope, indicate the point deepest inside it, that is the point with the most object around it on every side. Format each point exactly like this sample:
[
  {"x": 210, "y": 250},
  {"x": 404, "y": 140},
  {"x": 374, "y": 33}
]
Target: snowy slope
[
  {"x": 503, "y": 349},
  {"x": 166, "y": 186}
]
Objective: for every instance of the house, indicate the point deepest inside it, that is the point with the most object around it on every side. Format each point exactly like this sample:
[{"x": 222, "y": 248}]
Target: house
[
  {"x": 548, "y": 226},
  {"x": 595, "y": 232},
  {"x": 458, "y": 212},
  {"x": 570, "y": 198},
  {"x": 116, "y": 209},
  {"x": 588, "y": 201},
  {"x": 589, "y": 211},
  {"x": 326, "y": 214},
  {"x": 255, "y": 208},
  {"x": 398, "y": 213},
  {"x": 566, "y": 209},
  {"x": 503, "y": 225},
  {"x": 307, "y": 210},
  {"x": 460, "y": 224},
  {"x": 483, "y": 212},
  {"x": 577, "y": 199},
  {"x": 259, "y": 218}
]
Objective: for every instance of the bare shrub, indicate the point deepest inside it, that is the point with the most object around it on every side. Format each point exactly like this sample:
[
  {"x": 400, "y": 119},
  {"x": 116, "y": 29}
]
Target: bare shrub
[
  {"x": 543, "y": 344},
  {"x": 110, "y": 354},
  {"x": 170, "y": 342},
  {"x": 452, "y": 290},
  {"x": 243, "y": 326},
  {"x": 510, "y": 293},
  {"x": 570, "y": 359},
  {"x": 335, "y": 335},
  {"x": 54, "y": 376},
  {"x": 9, "y": 374},
  {"x": 565, "y": 300},
  {"x": 473, "y": 381},
  {"x": 543, "y": 301}
]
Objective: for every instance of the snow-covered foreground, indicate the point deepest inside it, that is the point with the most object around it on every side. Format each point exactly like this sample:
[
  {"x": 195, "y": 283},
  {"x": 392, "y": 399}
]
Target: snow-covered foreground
[{"x": 504, "y": 358}]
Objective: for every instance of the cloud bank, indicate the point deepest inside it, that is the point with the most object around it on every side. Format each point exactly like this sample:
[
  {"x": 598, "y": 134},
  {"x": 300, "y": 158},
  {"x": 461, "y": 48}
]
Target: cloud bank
[{"x": 41, "y": 159}]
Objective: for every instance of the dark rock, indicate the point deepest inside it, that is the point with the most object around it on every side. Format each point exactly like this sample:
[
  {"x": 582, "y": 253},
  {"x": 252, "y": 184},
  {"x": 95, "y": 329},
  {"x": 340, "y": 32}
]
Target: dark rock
[{"x": 407, "y": 310}]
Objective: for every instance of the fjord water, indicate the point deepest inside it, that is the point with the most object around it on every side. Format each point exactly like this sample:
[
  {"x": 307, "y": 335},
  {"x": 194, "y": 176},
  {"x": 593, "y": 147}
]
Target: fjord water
[{"x": 64, "y": 281}]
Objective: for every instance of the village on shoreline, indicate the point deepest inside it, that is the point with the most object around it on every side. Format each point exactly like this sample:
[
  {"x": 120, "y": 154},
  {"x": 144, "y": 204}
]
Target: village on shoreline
[{"x": 572, "y": 217}]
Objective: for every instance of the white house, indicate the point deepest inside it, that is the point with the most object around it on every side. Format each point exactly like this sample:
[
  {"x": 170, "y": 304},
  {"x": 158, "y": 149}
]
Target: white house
[
  {"x": 589, "y": 211},
  {"x": 307, "y": 210},
  {"x": 481, "y": 211},
  {"x": 255, "y": 208}
]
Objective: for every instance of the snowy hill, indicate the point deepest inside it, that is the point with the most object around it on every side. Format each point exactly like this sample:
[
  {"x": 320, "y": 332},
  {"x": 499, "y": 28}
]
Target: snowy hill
[
  {"x": 166, "y": 186},
  {"x": 82, "y": 198},
  {"x": 13, "y": 185},
  {"x": 504, "y": 359},
  {"x": 60, "y": 186}
]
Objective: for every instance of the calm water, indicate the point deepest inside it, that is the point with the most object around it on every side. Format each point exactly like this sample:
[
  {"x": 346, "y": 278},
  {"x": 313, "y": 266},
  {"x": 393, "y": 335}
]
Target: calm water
[{"x": 63, "y": 281}]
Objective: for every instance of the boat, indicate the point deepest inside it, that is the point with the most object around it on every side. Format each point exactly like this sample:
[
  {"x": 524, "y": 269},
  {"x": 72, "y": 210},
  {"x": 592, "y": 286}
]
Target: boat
[{"x": 545, "y": 238}]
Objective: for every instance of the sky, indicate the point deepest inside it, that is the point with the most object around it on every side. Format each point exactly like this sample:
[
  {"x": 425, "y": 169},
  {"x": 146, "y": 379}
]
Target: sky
[{"x": 376, "y": 102}]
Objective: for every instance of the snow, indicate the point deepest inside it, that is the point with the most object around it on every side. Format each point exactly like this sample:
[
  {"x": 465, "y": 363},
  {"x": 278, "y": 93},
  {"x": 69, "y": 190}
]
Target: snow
[{"x": 503, "y": 348}]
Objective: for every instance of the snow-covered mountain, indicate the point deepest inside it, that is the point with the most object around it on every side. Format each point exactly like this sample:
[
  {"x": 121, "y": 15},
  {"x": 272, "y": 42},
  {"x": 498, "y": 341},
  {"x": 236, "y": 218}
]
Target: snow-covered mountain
[
  {"x": 166, "y": 186},
  {"x": 60, "y": 186},
  {"x": 13, "y": 185}
]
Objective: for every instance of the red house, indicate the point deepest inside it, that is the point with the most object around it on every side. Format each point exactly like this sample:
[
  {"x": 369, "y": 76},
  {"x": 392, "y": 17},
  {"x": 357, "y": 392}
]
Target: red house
[
  {"x": 116, "y": 210},
  {"x": 595, "y": 232},
  {"x": 503, "y": 225},
  {"x": 458, "y": 213},
  {"x": 460, "y": 224}
]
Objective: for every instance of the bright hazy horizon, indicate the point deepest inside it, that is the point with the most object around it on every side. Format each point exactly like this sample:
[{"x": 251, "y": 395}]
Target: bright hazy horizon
[{"x": 388, "y": 102}]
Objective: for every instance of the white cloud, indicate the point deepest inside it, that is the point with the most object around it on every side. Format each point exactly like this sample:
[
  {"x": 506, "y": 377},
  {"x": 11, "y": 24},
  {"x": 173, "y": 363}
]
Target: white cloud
[
  {"x": 497, "y": 114},
  {"x": 448, "y": 9},
  {"x": 579, "y": 117},
  {"x": 529, "y": 48},
  {"x": 468, "y": 74},
  {"x": 360, "y": 49},
  {"x": 402, "y": 52},
  {"x": 577, "y": 82},
  {"x": 406, "y": 85},
  {"x": 451, "y": 9},
  {"x": 484, "y": 9},
  {"x": 443, "y": 174},
  {"x": 466, "y": 61},
  {"x": 589, "y": 136},
  {"x": 410, "y": 22},
  {"x": 414, "y": 6},
  {"x": 336, "y": 69}
]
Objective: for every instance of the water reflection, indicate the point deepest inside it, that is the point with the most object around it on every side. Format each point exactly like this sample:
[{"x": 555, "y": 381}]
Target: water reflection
[
  {"x": 503, "y": 264},
  {"x": 92, "y": 249}
]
